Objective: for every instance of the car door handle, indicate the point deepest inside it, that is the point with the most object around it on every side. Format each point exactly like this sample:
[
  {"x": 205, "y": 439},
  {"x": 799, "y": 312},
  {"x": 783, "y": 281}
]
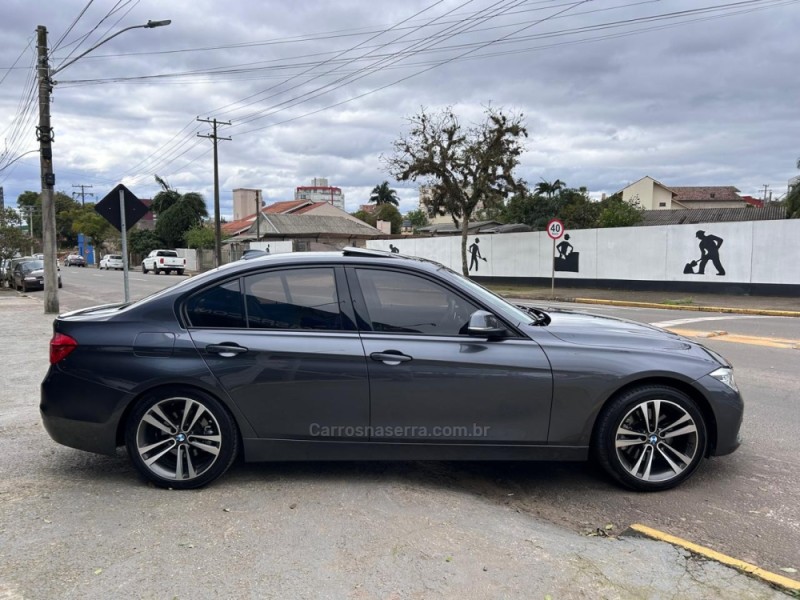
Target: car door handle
[
  {"x": 226, "y": 350},
  {"x": 390, "y": 357}
]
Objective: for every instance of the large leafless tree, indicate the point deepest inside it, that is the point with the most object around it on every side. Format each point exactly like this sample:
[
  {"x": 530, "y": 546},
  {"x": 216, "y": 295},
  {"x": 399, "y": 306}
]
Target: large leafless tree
[{"x": 465, "y": 166}]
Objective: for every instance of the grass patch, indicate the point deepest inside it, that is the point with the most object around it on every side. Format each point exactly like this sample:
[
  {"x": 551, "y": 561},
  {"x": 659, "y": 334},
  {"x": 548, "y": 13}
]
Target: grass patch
[{"x": 679, "y": 302}]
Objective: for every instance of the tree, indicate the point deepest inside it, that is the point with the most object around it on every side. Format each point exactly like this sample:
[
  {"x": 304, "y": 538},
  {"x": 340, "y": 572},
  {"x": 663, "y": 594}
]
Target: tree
[
  {"x": 615, "y": 212},
  {"x": 201, "y": 238},
  {"x": 12, "y": 236},
  {"x": 367, "y": 217},
  {"x": 464, "y": 166},
  {"x": 177, "y": 213},
  {"x": 793, "y": 200},
  {"x": 164, "y": 199},
  {"x": 383, "y": 194},
  {"x": 85, "y": 219},
  {"x": 143, "y": 241},
  {"x": 389, "y": 212},
  {"x": 418, "y": 218},
  {"x": 544, "y": 188},
  {"x": 173, "y": 223},
  {"x": 31, "y": 203}
]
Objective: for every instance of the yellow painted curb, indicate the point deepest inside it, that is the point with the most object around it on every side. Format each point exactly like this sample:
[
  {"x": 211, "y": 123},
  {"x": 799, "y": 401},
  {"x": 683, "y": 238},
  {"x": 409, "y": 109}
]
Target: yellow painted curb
[
  {"x": 718, "y": 309},
  {"x": 745, "y": 567}
]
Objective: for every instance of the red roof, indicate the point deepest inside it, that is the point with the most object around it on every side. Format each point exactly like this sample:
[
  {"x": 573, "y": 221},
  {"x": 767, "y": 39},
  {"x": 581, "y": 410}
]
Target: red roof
[
  {"x": 235, "y": 227},
  {"x": 284, "y": 207}
]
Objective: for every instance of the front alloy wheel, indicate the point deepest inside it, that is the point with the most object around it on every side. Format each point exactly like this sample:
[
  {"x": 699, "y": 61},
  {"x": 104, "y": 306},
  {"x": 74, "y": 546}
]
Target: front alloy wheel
[
  {"x": 651, "y": 438},
  {"x": 181, "y": 440}
]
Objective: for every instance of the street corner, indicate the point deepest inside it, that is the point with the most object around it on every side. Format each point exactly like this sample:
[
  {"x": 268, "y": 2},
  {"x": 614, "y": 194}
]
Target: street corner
[{"x": 774, "y": 579}]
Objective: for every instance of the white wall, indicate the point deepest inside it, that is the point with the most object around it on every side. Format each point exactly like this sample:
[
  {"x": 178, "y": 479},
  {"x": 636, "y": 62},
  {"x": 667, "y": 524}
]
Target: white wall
[
  {"x": 751, "y": 252},
  {"x": 278, "y": 247}
]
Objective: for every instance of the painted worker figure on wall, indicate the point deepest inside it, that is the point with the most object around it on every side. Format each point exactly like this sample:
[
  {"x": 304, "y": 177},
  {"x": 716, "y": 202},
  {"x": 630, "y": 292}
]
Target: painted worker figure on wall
[
  {"x": 475, "y": 251},
  {"x": 709, "y": 251}
]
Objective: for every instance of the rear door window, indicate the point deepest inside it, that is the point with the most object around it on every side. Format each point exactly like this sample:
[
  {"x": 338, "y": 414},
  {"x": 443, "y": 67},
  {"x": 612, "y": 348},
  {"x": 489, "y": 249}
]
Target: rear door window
[
  {"x": 219, "y": 307},
  {"x": 294, "y": 299}
]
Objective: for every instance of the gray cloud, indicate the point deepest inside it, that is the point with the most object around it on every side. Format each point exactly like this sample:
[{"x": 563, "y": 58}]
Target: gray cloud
[{"x": 711, "y": 102}]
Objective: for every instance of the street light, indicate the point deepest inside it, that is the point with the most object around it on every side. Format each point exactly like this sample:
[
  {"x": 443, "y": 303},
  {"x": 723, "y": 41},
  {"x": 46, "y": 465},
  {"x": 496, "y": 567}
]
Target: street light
[{"x": 44, "y": 135}]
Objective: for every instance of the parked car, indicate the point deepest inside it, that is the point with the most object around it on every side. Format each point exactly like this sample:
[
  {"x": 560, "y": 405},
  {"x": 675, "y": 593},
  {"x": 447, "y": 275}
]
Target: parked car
[
  {"x": 8, "y": 269},
  {"x": 29, "y": 275},
  {"x": 74, "y": 260},
  {"x": 369, "y": 355},
  {"x": 111, "y": 261},
  {"x": 163, "y": 261}
]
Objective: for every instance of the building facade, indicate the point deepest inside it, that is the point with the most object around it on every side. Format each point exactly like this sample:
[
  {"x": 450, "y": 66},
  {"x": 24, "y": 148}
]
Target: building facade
[
  {"x": 320, "y": 191},
  {"x": 654, "y": 195}
]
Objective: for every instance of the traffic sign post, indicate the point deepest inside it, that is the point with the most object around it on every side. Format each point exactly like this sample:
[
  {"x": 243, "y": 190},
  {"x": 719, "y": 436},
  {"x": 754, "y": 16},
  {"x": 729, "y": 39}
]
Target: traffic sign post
[
  {"x": 122, "y": 209},
  {"x": 555, "y": 229}
]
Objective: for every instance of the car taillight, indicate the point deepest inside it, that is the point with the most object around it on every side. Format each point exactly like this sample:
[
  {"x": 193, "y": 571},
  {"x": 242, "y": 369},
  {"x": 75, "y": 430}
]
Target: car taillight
[
  {"x": 161, "y": 260},
  {"x": 60, "y": 347}
]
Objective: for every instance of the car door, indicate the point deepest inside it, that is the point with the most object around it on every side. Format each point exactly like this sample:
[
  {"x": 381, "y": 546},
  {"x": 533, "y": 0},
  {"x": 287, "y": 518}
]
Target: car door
[
  {"x": 283, "y": 345},
  {"x": 430, "y": 381}
]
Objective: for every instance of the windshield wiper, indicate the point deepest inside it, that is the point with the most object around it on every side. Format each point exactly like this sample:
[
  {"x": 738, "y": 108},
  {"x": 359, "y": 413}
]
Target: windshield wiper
[{"x": 541, "y": 318}]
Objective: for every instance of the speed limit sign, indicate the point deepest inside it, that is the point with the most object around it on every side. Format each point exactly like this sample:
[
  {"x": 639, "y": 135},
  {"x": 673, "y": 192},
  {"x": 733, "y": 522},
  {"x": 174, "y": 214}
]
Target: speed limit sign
[{"x": 555, "y": 229}]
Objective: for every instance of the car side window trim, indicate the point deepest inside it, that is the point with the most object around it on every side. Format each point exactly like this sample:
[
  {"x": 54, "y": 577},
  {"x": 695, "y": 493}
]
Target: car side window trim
[
  {"x": 342, "y": 293},
  {"x": 364, "y": 321}
]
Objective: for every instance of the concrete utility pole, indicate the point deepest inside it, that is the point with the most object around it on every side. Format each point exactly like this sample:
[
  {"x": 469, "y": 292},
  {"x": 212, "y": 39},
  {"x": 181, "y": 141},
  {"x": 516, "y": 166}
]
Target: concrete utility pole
[
  {"x": 258, "y": 214},
  {"x": 44, "y": 135},
  {"x": 217, "y": 230},
  {"x": 766, "y": 187},
  {"x": 83, "y": 193},
  {"x": 29, "y": 218}
]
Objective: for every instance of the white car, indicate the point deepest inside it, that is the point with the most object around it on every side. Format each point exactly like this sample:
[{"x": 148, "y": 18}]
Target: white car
[{"x": 111, "y": 261}]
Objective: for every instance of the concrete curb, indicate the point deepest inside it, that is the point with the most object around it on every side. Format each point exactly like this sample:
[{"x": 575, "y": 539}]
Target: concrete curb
[
  {"x": 785, "y": 583},
  {"x": 718, "y": 309}
]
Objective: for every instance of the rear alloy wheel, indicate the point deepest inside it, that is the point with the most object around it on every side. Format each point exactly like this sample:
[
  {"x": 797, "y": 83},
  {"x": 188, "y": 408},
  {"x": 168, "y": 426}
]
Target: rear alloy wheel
[
  {"x": 181, "y": 439},
  {"x": 651, "y": 438}
]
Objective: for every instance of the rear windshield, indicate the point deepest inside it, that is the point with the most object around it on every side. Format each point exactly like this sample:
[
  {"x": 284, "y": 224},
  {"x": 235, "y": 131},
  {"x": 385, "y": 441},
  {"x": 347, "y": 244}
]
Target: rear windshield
[
  {"x": 168, "y": 253},
  {"x": 115, "y": 257}
]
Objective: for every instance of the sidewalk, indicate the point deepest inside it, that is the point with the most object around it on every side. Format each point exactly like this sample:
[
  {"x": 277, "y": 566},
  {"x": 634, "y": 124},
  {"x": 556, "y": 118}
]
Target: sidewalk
[
  {"x": 785, "y": 306},
  {"x": 443, "y": 542}
]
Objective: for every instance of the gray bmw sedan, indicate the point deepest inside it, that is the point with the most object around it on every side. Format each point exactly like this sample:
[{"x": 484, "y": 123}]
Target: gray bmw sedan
[{"x": 367, "y": 355}]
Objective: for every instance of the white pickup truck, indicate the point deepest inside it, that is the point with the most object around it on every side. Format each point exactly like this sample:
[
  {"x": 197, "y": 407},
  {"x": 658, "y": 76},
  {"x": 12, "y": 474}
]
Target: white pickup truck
[{"x": 163, "y": 261}]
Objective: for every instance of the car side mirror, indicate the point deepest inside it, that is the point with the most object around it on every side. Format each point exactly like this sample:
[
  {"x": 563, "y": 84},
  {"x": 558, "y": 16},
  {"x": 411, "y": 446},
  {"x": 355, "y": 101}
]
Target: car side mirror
[{"x": 485, "y": 324}]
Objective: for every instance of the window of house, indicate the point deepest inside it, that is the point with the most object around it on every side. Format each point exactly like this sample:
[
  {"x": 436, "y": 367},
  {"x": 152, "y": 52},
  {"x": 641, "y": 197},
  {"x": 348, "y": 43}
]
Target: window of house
[
  {"x": 713, "y": 194},
  {"x": 403, "y": 303},
  {"x": 662, "y": 204},
  {"x": 293, "y": 299}
]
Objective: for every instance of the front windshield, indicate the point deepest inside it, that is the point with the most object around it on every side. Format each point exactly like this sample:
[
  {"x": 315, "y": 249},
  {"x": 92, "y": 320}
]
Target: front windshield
[
  {"x": 490, "y": 299},
  {"x": 32, "y": 265}
]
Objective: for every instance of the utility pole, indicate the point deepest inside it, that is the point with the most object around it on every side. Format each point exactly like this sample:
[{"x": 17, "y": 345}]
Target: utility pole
[
  {"x": 217, "y": 230},
  {"x": 258, "y": 214},
  {"x": 44, "y": 135},
  {"x": 83, "y": 193},
  {"x": 766, "y": 186},
  {"x": 29, "y": 210}
]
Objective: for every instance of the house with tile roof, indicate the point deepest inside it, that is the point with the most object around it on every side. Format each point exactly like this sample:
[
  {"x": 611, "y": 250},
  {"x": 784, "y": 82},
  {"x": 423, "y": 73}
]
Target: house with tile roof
[{"x": 654, "y": 195}]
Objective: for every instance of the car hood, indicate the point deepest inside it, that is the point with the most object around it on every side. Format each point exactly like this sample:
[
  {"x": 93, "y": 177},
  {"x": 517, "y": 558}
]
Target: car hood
[{"x": 595, "y": 330}]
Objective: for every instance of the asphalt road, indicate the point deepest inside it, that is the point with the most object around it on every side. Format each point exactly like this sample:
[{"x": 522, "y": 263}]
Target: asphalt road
[{"x": 746, "y": 505}]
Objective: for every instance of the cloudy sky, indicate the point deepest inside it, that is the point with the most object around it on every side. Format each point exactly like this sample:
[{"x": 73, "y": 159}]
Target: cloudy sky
[{"x": 691, "y": 92}]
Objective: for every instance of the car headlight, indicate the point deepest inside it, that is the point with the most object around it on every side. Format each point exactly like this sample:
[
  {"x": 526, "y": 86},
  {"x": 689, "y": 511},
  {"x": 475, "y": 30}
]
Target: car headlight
[
  {"x": 30, "y": 279},
  {"x": 725, "y": 375}
]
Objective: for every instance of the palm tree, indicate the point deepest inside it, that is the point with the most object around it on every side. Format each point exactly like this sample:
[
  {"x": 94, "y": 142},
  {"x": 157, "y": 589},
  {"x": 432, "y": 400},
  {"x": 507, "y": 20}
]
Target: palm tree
[
  {"x": 383, "y": 194},
  {"x": 169, "y": 197},
  {"x": 543, "y": 188}
]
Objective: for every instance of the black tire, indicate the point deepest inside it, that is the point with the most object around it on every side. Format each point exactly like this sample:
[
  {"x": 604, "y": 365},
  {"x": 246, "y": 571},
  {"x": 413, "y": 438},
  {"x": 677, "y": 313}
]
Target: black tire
[
  {"x": 647, "y": 456},
  {"x": 179, "y": 271},
  {"x": 144, "y": 269},
  {"x": 24, "y": 288},
  {"x": 60, "y": 285},
  {"x": 214, "y": 428}
]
